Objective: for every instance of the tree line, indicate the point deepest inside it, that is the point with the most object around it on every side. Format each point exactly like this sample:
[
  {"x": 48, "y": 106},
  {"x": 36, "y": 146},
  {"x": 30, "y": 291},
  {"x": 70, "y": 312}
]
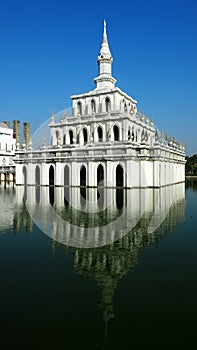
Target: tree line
[{"x": 191, "y": 165}]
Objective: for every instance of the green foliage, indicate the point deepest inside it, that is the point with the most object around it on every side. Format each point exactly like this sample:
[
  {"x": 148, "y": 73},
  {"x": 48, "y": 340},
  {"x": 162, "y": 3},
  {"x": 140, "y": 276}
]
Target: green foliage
[{"x": 191, "y": 165}]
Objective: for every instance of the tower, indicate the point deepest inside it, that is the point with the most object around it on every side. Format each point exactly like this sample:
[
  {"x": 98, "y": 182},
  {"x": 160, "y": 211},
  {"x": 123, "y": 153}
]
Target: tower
[
  {"x": 16, "y": 130},
  {"x": 26, "y": 133},
  {"x": 105, "y": 79}
]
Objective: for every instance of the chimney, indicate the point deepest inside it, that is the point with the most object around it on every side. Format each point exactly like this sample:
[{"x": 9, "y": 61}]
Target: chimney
[
  {"x": 16, "y": 130},
  {"x": 26, "y": 133}
]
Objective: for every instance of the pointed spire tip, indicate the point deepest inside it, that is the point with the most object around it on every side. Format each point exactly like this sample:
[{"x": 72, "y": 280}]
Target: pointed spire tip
[{"x": 104, "y": 30}]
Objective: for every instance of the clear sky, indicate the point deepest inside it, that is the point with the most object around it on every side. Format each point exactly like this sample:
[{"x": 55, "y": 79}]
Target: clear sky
[{"x": 48, "y": 52}]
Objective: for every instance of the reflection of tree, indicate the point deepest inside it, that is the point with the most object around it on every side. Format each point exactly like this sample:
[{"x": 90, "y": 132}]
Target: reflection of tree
[
  {"x": 192, "y": 182},
  {"x": 108, "y": 264}
]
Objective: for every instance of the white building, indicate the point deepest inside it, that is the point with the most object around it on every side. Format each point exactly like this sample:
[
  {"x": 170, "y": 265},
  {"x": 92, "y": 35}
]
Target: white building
[
  {"x": 7, "y": 152},
  {"x": 105, "y": 140}
]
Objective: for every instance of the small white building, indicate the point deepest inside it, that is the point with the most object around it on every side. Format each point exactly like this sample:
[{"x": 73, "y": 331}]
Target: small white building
[
  {"x": 7, "y": 152},
  {"x": 104, "y": 141}
]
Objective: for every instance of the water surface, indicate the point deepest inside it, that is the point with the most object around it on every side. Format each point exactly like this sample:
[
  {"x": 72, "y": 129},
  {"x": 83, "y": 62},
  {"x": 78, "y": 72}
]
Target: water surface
[{"x": 68, "y": 288}]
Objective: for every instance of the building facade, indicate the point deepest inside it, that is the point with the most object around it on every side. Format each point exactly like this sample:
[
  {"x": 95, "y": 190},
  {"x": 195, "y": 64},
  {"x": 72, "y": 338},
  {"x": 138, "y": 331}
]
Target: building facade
[
  {"x": 7, "y": 152},
  {"x": 104, "y": 141}
]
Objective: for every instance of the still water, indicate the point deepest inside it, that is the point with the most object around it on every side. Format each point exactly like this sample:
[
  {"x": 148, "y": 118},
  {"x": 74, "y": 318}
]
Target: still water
[{"x": 114, "y": 269}]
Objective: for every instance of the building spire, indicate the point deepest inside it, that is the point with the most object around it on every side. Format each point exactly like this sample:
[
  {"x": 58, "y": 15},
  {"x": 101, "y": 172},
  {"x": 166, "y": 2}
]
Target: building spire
[
  {"x": 105, "y": 46},
  {"x": 105, "y": 79},
  {"x": 105, "y": 33}
]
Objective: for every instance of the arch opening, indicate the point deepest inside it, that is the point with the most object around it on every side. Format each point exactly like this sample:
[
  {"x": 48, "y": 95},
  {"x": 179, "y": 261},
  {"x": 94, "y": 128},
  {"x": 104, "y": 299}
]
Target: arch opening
[
  {"x": 100, "y": 175},
  {"x": 71, "y": 137},
  {"x": 107, "y": 104},
  {"x": 116, "y": 133},
  {"x": 66, "y": 176},
  {"x": 37, "y": 175},
  {"x": 100, "y": 134},
  {"x": 85, "y": 136},
  {"x": 51, "y": 176},
  {"x": 93, "y": 106},
  {"x": 83, "y": 176},
  {"x": 119, "y": 176},
  {"x": 79, "y": 108}
]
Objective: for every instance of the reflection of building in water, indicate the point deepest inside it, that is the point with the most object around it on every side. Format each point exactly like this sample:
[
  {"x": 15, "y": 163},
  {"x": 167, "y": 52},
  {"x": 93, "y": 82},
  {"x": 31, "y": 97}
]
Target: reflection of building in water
[
  {"x": 137, "y": 212},
  {"x": 97, "y": 220},
  {"x": 7, "y": 206},
  {"x": 13, "y": 211},
  {"x": 103, "y": 140},
  {"x": 21, "y": 215},
  {"x": 107, "y": 264}
]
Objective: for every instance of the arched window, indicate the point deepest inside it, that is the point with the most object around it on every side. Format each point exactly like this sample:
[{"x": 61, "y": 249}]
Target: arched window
[
  {"x": 71, "y": 136},
  {"x": 119, "y": 176},
  {"x": 83, "y": 176},
  {"x": 116, "y": 133},
  {"x": 93, "y": 106},
  {"x": 85, "y": 136},
  {"x": 37, "y": 175},
  {"x": 79, "y": 108},
  {"x": 100, "y": 134},
  {"x": 107, "y": 104},
  {"x": 64, "y": 139},
  {"x": 100, "y": 175}
]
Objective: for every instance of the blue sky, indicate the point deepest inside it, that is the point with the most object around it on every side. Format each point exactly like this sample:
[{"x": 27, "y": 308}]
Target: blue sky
[{"x": 49, "y": 52}]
